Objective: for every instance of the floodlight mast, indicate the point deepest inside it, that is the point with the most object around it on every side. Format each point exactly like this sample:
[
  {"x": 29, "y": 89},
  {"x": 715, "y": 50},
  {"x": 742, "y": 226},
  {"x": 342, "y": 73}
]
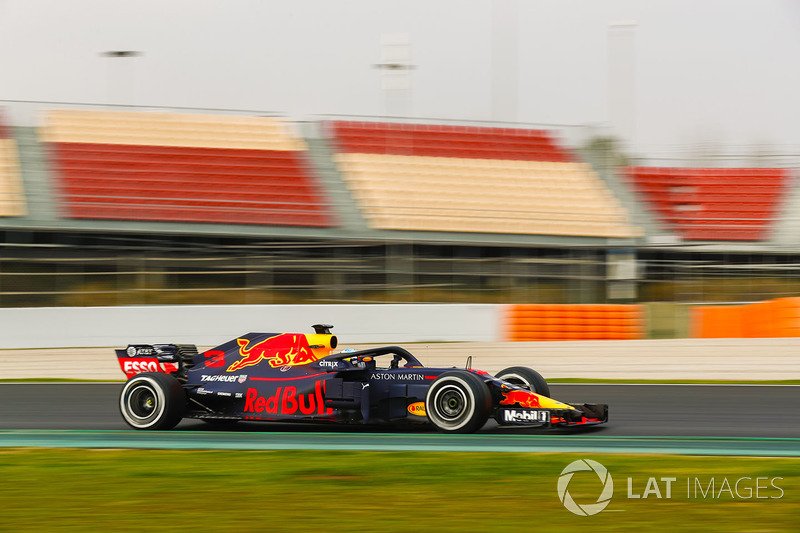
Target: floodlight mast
[
  {"x": 121, "y": 76},
  {"x": 396, "y": 67}
]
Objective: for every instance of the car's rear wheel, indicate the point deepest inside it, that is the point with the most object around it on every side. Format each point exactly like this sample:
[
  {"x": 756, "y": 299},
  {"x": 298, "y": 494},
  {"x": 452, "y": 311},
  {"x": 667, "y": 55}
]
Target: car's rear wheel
[
  {"x": 152, "y": 400},
  {"x": 458, "y": 402},
  {"x": 526, "y": 378}
]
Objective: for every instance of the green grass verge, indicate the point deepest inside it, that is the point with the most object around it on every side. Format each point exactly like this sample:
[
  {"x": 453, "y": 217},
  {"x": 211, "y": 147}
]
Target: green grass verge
[{"x": 121, "y": 490}]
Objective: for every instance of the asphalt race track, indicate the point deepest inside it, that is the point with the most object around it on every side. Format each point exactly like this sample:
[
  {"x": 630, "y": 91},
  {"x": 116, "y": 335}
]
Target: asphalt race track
[{"x": 634, "y": 410}]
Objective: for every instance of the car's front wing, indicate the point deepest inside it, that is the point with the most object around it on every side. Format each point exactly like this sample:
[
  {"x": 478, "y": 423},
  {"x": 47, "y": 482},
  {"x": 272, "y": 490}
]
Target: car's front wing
[{"x": 583, "y": 414}]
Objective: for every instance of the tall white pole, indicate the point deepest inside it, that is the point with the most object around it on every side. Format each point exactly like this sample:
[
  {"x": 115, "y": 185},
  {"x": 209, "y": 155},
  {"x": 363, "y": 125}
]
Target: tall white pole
[
  {"x": 622, "y": 80},
  {"x": 505, "y": 60},
  {"x": 396, "y": 70},
  {"x": 121, "y": 83}
]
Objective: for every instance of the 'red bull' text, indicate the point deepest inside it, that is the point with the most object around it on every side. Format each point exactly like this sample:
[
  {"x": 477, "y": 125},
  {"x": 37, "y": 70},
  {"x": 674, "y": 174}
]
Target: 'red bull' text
[{"x": 286, "y": 401}]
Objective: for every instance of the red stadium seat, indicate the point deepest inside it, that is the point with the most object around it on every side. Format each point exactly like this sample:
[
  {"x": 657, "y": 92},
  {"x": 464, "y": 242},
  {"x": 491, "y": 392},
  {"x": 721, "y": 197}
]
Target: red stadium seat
[
  {"x": 447, "y": 141},
  {"x": 425, "y": 177},
  {"x": 124, "y": 181},
  {"x": 731, "y": 204}
]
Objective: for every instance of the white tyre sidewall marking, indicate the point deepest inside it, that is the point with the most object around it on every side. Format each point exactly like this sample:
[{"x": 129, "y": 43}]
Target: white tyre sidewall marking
[
  {"x": 125, "y": 397},
  {"x": 443, "y": 423},
  {"x": 505, "y": 377}
]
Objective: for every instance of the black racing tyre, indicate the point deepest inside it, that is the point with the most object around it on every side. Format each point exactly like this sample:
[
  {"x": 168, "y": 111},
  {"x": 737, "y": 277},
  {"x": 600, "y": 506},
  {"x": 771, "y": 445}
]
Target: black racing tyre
[
  {"x": 458, "y": 402},
  {"x": 152, "y": 400},
  {"x": 525, "y": 377}
]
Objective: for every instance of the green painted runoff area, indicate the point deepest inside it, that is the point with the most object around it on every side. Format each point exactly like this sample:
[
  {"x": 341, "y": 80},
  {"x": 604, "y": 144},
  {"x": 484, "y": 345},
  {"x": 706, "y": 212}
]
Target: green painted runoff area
[
  {"x": 340, "y": 490},
  {"x": 401, "y": 442}
]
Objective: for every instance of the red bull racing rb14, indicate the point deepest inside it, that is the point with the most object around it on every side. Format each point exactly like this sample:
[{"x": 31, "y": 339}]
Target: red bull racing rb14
[{"x": 300, "y": 377}]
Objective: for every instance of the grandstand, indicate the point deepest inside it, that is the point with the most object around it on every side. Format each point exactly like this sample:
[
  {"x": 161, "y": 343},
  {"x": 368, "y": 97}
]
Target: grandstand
[
  {"x": 722, "y": 204},
  {"x": 128, "y": 207},
  {"x": 184, "y": 168},
  {"x": 464, "y": 179},
  {"x": 12, "y": 197}
]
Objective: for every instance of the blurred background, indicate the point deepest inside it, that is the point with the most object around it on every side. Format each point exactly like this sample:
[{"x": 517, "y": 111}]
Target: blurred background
[{"x": 608, "y": 170}]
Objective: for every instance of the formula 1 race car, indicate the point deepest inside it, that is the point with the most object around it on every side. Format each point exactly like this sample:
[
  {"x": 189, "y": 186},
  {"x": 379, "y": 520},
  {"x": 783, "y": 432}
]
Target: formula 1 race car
[{"x": 298, "y": 377}]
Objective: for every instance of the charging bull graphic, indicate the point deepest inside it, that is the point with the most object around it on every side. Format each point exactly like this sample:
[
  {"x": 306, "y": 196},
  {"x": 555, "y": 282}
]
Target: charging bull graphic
[
  {"x": 287, "y": 349},
  {"x": 521, "y": 398}
]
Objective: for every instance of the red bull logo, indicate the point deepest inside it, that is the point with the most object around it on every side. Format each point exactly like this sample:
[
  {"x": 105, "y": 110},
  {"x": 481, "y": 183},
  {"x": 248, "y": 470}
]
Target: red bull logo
[
  {"x": 287, "y": 349},
  {"x": 521, "y": 398},
  {"x": 286, "y": 401}
]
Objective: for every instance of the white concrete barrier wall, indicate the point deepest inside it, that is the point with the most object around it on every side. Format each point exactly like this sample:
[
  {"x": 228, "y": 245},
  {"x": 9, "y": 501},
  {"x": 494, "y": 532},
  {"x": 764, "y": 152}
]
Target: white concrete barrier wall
[{"x": 210, "y": 325}]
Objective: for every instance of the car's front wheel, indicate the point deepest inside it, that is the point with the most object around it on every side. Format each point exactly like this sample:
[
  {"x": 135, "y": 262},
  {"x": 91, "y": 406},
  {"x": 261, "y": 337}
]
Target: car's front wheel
[
  {"x": 458, "y": 402},
  {"x": 526, "y": 378},
  {"x": 152, "y": 400}
]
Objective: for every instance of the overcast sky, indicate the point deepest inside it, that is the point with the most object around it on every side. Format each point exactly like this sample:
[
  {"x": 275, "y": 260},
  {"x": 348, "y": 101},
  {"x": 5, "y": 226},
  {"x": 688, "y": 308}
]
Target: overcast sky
[{"x": 724, "y": 72}]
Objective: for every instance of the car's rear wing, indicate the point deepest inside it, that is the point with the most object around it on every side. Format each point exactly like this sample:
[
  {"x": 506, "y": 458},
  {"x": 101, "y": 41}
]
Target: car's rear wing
[{"x": 165, "y": 358}]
